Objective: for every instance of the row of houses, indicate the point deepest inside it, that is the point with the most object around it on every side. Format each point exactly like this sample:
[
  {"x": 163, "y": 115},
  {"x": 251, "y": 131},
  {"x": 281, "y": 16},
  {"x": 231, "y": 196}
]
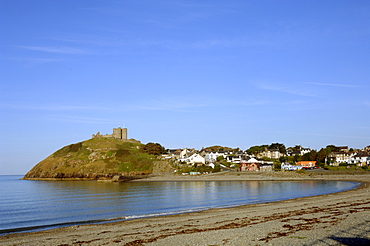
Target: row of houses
[
  {"x": 361, "y": 158},
  {"x": 236, "y": 155},
  {"x": 247, "y": 162},
  {"x": 193, "y": 156},
  {"x": 240, "y": 159}
]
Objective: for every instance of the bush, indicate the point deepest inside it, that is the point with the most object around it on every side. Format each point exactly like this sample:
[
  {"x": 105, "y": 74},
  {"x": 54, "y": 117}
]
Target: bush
[
  {"x": 67, "y": 149},
  {"x": 153, "y": 149},
  {"x": 277, "y": 166},
  {"x": 75, "y": 147},
  {"x": 122, "y": 152},
  {"x": 203, "y": 169},
  {"x": 217, "y": 169}
]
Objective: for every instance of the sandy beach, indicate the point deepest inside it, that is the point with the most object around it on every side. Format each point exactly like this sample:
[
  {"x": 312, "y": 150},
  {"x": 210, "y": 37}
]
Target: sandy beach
[{"x": 333, "y": 219}]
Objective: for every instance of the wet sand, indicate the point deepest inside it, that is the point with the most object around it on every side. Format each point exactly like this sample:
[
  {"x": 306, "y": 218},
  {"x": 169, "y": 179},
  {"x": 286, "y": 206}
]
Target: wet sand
[{"x": 333, "y": 219}]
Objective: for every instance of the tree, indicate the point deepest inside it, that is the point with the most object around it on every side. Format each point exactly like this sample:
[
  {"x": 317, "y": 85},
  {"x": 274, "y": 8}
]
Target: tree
[
  {"x": 279, "y": 146},
  {"x": 305, "y": 157},
  {"x": 310, "y": 156},
  {"x": 332, "y": 148},
  {"x": 321, "y": 155},
  {"x": 277, "y": 165},
  {"x": 313, "y": 155},
  {"x": 296, "y": 148},
  {"x": 283, "y": 159},
  {"x": 203, "y": 169},
  {"x": 217, "y": 149},
  {"x": 153, "y": 149},
  {"x": 256, "y": 149},
  {"x": 217, "y": 168}
]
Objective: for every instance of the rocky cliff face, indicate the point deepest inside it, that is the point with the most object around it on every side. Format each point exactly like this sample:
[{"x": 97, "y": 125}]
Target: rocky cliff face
[{"x": 94, "y": 159}]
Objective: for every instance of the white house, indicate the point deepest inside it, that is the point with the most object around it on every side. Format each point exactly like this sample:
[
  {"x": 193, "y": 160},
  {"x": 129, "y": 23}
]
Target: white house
[
  {"x": 270, "y": 153},
  {"x": 234, "y": 159},
  {"x": 194, "y": 159},
  {"x": 211, "y": 165},
  {"x": 185, "y": 153},
  {"x": 305, "y": 150},
  {"x": 340, "y": 157},
  {"x": 361, "y": 158},
  {"x": 212, "y": 156}
]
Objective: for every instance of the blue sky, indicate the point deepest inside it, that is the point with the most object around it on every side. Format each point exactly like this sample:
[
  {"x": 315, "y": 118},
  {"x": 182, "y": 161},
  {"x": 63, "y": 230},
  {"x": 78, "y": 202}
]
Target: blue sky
[{"x": 182, "y": 73}]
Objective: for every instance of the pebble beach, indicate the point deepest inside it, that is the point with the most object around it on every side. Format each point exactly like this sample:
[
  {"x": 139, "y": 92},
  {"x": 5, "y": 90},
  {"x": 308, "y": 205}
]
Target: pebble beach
[{"x": 333, "y": 219}]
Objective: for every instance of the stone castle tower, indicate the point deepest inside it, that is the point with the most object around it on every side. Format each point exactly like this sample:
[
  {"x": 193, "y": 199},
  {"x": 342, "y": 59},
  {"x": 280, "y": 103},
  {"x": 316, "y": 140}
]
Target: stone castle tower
[{"x": 118, "y": 133}]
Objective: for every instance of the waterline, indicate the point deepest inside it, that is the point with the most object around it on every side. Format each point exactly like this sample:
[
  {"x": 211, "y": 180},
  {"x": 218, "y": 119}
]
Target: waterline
[{"x": 37, "y": 205}]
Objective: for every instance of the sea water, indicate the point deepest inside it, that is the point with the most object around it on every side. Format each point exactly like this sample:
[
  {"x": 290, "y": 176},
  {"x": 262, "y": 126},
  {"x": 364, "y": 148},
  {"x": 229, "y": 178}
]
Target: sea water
[{"x": 28, "y": 205}]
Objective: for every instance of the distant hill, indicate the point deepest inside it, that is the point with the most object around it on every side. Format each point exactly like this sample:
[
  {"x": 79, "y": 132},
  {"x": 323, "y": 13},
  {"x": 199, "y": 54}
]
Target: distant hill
[
  {"x": 218, "y": 149},
  {"x": 97, "y": 158}
]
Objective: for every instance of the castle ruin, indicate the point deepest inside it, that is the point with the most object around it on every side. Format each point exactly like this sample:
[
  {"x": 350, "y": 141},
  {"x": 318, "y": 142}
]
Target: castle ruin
[{"x": 118, "y": 133}]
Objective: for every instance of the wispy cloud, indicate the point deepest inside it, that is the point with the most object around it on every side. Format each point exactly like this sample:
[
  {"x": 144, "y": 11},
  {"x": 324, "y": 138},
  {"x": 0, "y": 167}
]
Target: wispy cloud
[
  {"x": 56, "y": 49},
  {"x": 50, "y": 107},
  {"x": 183, "y": 104},
  {"x": 91, "y": 39},
  {"x": 325, "y": 135},
  {"x": 78, "y": 119},
  {"x": 174, "y": 104},
  {"x": 364, "y": 127},
  {"x": 334, "y": 85},
  {"x": 289, "y": 89},
  {"x": 35, "y": 60},
  {"x": 118, "y": 39}
]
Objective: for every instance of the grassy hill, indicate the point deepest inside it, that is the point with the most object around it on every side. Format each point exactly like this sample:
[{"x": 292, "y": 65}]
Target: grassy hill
[{"x": 93, "y": 159}]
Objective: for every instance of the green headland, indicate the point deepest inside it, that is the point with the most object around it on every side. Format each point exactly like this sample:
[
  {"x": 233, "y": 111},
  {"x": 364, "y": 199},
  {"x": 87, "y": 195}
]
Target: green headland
[{"x": 99, "y": 158}]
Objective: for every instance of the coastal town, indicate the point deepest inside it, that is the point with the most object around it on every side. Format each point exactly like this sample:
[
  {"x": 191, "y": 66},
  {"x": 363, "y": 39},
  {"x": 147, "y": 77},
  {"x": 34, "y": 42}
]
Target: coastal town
[
  {"x": 267, "y": 158},
  {"x": 210, "y": 175},
  {"x": 273, "y": 157}
]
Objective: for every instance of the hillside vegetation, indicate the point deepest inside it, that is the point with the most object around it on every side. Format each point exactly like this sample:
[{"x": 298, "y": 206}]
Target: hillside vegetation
[{"x": 97, "y": 158}]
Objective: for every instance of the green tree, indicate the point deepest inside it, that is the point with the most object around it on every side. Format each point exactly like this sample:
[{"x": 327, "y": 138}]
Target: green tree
[
  {"x": 217, "y": 149},
  {"x": 305, "y": 157},
  {"x": 277, "y": 165},
  {"x": 279, "y": 146},
  {"x": 220, "y": 158},
  {"x": 153, "y": 149},
  {"x": 296, "y": 148},
  {"x": 217, "y": 168},
  {"x": 311, "y": 156},
  {"x": 203, "y": 169},
  {"x": 321, "y": 155},
  {"x": 283, "y": 159},
  {"x": 256, "y": 149},
  {"x": 332, "y": 148}
]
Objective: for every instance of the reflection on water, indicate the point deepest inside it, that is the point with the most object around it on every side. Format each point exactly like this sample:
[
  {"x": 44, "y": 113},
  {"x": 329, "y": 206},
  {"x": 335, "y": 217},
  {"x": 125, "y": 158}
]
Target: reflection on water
[{"x": 32, "y": 204}]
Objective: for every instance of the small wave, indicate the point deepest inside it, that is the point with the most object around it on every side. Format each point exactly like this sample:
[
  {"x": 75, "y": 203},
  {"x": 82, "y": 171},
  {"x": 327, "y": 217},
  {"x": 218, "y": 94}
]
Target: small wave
[
  {"x": 131, "y": 217},
  {"x": 50, "y": 226}
]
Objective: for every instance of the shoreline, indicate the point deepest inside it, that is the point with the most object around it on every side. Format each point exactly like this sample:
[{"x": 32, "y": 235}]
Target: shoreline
[{"x": 302, "y": 220}]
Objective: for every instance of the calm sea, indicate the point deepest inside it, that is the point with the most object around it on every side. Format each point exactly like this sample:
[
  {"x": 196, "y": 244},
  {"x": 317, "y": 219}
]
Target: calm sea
[{"x": 27, "y": 205}]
